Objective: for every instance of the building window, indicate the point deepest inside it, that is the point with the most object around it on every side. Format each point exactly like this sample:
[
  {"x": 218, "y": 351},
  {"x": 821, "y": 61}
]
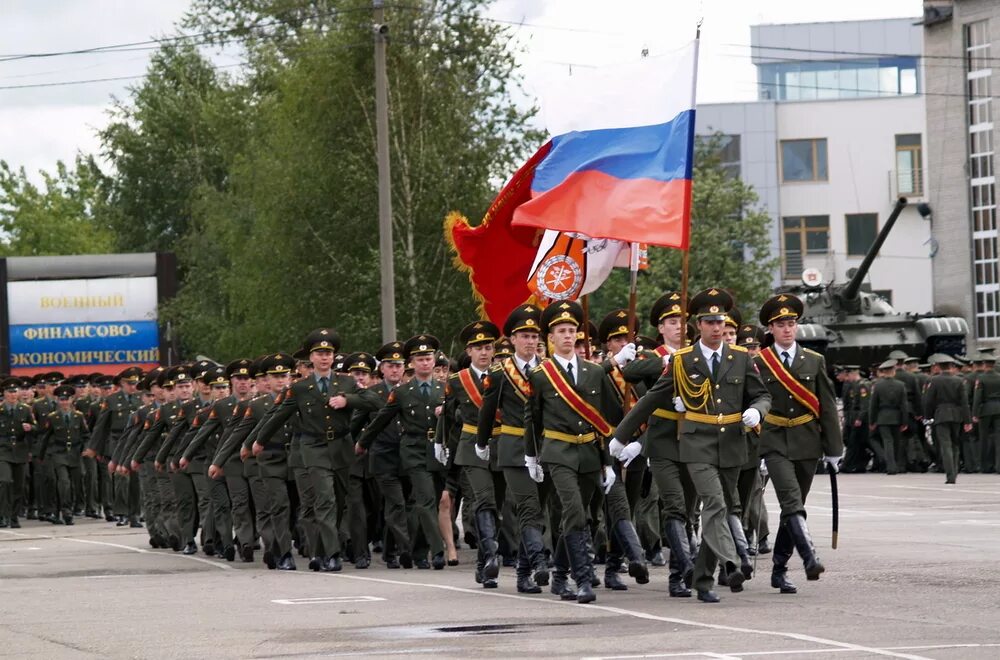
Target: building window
[
  {"x": 982, "y": 182},
  {"x": 803, "y": 160},
  {"x": 729, "y": 155},
  {"x": 804, "y": 235},
  {"x": 799, "y": 80},
  {"x": 861, "y": 231},
  {"x": 909, "y": 165}
]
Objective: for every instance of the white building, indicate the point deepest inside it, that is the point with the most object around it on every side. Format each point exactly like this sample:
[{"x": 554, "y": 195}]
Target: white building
[{"x": 837, "y": 135}]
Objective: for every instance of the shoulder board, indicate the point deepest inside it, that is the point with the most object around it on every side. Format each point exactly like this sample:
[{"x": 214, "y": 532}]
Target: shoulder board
[
  {"x": 78, "y": 413},
  {"x": 258, "y": 397},
  {"x": 809, "y": 351},
  {"x": 454, "y": 376},
  {"x": 687, "y": 349},
  {"x": 535, "y": 369},
  {"x": 741, "y": 349},
  {"x": 53, "y": 414},
  {"x": 496, "y": 367}
]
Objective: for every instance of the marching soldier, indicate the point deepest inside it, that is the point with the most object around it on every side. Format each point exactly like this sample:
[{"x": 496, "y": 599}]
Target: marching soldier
[
  {"x": 16, "y": 423},
  {"x": 362, "y": 491},
  {"x": 801, "y": 427},
  {"x": 187, "y": 405},
  {"x": 889, "y": 410},
  {"x": 946, "y": 404},
  {"x": 417, "y": 403},
  {"x": 64, "y": 434},
  {"x": 323, "y": 405},
  {"x": 986, "y": 412},
  {"x": 43, "y": 481},
  {"x": 751, "y": 487},
  {"x": 718, "y": 389},
  {"x": 565, "y": 425},
  {"x": 146, "y": 474},
  {"x": 856, "y": 393}
]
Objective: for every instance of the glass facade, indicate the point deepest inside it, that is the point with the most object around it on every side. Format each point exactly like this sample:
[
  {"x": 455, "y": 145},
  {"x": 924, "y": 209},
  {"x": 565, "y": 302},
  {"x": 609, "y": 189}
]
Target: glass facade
[{"x": 798, "y": 80}]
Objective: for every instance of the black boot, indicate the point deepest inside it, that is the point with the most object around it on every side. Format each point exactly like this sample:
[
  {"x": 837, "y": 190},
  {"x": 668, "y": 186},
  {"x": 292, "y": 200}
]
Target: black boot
[
  {"x": 3, "y": 522},
  {"x": 804, "y": 544},
  {"x": 742, "y": 547},
  {"x": 190, "y": 548},
  {"x": 763, "y": 547},
  {"x": 15, "y": 523},
  {"x": 486, "y": 523},
  {"x": 675, "y": 582},
  {"x": 208, "y": 547},
  {"x": 525, "y": 585},
  {"x": 534, "y": 548},
  {"x": 783, "y": 548},
  {"x": 612, "y": 565},
  {"x": 578, "y": 545},
  {"x": 560, "y": 572},
  {"x": 68, "y": 519},
  {"x": 680, "y": 552},
  {"x": 286, "y": 563},
  {"x": 628, "y": 538}
]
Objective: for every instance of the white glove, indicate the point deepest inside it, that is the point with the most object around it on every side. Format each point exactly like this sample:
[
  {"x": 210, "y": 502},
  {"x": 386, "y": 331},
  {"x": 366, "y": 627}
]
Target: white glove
[
  {"x": 629, "y": 453},
  {"x": 666, "y": 361},
  {"x": 763, "y": 468},
  {"x": 615, "y": 448},
  {"x": 833, "y": 461},
  {"x": 441, "y": 453},
  {"x": 626, "y": 355},
  {"x": 608, "y": 480},
  {"x": 751, "y": 417},
  {"x": 483, "y": 452},
  {"x": 534, "y": 469},
  {"x": 679, "y": 404}
]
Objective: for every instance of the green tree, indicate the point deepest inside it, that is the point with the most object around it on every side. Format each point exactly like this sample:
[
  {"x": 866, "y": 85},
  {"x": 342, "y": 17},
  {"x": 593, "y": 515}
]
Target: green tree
[
  {"x": 730, "y": 246},
  {"x": 69, "y": 213}
]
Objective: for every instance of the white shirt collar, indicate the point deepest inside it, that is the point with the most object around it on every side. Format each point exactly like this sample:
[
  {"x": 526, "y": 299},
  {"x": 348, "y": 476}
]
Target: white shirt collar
[
  {"x": 792, "y": 350},
  {"x": 708, "y": 352},
  {"x": 564, "y": 363},
  {"x": 476, "y": 372},
  {"x": 523, "y": 365}
]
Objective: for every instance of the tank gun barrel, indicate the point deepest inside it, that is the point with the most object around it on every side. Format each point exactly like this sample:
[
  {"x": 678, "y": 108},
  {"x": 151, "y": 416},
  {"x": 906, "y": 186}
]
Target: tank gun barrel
[{"x": 850, "y": 290}]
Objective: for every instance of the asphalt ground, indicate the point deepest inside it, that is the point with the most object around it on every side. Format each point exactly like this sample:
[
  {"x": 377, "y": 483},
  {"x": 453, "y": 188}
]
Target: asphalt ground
[{"x": 913, "y": 577}]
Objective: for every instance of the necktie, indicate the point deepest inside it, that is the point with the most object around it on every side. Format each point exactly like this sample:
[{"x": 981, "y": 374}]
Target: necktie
[
  {"x": 787, "y": 359},
  {"x": 482, "y": 377},
  {"x": 425, "y": 390},
  {"x": 66, "y": 419},
  {"x": 569, "y": 370},
  {"x": 324, "y": 385},
  {"x": 715, "y": 365}
]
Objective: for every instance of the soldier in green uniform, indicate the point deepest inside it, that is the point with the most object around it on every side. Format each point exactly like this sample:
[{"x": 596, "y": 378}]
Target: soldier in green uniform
[
  {"x": 418, "y": 403},
  {"x": 505, "y": 393},
  {"x": 44, "y": 475},
  {"x": 463, "y": 402},
  {"x": 382, "y": 451},
  {"x": 860, "y": 448},
  {"x": 323, "y": 404},
  {"x": 718, "y": 389},
  {"x": 801, "y": 427},
  {"x": 889, "y": 410},
  {"x": 362, "y": 491},
  {"x": 613, "y": 334},
  {"x": 86, "y": 401},
  {"x": 986, "y": 412},
  {"x": 750, "y": 487},
  {"x": 153, "y": 397},
  {"x": 186, "y": 498},
  {"x": 946, "y": 406},
  {"x": 566, "y": 424},
  {"x": 678, "y": 498},
  {"x": 64, "y": 434},
  {"x": 16, "y": 423}
]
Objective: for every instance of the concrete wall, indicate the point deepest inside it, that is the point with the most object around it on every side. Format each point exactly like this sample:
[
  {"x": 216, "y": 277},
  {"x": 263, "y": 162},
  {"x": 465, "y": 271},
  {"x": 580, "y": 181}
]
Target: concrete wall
[
  {"x": 897, "y": 35},
  {"x": 861, "y": 154}
]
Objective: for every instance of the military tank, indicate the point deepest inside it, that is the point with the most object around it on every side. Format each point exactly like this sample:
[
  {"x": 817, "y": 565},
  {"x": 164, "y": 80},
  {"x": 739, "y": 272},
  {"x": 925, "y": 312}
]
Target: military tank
[{"x": 851, "y": 326}]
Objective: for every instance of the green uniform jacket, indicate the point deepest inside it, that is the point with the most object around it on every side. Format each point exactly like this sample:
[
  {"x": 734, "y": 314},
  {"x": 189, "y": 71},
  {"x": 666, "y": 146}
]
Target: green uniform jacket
[
  {"x": 986, "y": 398},
  {"x": 416, "y": 447},
  {"x": 205, "y": 442},
  {"x": 946, "y": 399},
  {"x": 227, "y": 455},
  {"x": 272, "y": 463},
  {"x": 812, "y": 440},
  {"x": 324, "y": 430},
  {"x": 62, "y": 440},
  {"x": 889, "y": 403},
  {"x": 112, "y": 417},
  {"x": 170, "y": 450},
  {"x": 383, "y": 451},
  {"x": 913, "y": 390},
  {"x": 152, "y": 432},
  {"x": 39, "y": 409},
  {"x": 131, "y": 434},
  {"x": 546, "y": 410},
  {"x": 15, "y": 446},
  {"x": 662, "y": 439},
  {"x": 196, "y": 460},
  {"x": 460, "y": 410},
  {"x": 503, "y": 398}
]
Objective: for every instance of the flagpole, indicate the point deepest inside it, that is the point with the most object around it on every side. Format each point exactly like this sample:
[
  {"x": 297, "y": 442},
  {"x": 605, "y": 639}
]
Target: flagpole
[
  {"x": 684, "y": 295},
  {"x": 586, "y": 326},
  {"x": 686, "y": 254},
  {"x": 633, "y": 286}
]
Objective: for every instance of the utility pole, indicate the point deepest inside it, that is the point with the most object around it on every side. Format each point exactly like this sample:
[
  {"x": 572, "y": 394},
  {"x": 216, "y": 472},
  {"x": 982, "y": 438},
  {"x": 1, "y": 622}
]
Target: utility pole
[{"x": 388, "y": 283}]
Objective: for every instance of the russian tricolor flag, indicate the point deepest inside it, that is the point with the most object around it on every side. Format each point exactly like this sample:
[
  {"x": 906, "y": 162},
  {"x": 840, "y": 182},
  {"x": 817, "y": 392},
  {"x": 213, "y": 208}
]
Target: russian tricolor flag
[{"x": 619, "y": 164}]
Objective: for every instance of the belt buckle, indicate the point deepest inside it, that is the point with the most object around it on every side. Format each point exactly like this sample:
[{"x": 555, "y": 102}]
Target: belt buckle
[
  {"x": 330, "y": 435},
  {"x": 431, "y": 434}
]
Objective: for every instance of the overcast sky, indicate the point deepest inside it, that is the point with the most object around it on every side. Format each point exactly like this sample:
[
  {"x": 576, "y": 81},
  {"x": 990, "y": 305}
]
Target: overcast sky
[{"x": 39, "y": 126}]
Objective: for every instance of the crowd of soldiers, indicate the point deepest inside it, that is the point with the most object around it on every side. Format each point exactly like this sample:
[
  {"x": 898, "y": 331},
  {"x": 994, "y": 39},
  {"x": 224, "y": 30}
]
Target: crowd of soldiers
[
  {"x": 562, "y": 445},
  {"x": 908, "y": 416}
]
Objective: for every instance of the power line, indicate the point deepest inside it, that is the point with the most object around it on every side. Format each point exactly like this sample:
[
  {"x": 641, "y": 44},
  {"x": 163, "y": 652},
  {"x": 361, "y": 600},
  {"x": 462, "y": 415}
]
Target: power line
[
  {"x": 922, "y": 56},
  {"x": 67, "y": 83}
]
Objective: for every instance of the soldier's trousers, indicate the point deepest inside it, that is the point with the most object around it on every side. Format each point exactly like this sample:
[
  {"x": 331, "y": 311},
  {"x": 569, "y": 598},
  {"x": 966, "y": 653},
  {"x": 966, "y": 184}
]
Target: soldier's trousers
[
  {"x": 362, "y": 500},
  {"x": 89, "y": 467},
  {"x": 217, "y": 516},
  {"x": 105, "y": 488},
  {"x": 44, "y": 487},
  {"x": 575, "y": 491},
  {"x": 792, "y": 481},
  {"x": 989, "y": 433},
  {"x": 755, "y": 509},
  {"x": 645, "y": 510},
  {"x": 856, "y": 439},
  {"x": 126, "y": 490},
  {"x": 484, "y": 488},
  {"x": 65, "y": 474},
  {"x": 971, "y": 451},
  {"x": 423, "y": 516},
  {"x": 717, "y": 488},
  {"x": 168, "y": 505},
  {"x": 261, "y": 498},
  {"x": 527, "y": 497},
  {"x": 187, "y": 505},
  {"x": 151, "y": 501},
  {"x": 276, "y": 533},
  {"x": 307, "y": 502},
  {"x": 616, "y": 501},
  {"x": 12, "y": 477},
  {"x": 891, "y": 442},
  {"x": 326, "y": 539},
  {"x": 394, "y": 505},
  {"x": 239, "y": 497},
  {"x": 675, "y": 487},
  {"x": 947, "y": 435}
]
